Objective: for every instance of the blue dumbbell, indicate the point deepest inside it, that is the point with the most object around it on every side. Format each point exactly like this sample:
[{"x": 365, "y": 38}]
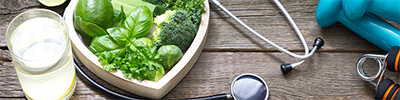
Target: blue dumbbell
[
  {"x": 370, "y": 27},
  {"x": 389, "y": 9}
]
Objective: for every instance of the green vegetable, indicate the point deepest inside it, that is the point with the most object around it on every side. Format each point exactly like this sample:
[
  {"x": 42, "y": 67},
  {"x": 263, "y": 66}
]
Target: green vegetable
[
  {"x": 108, "y": 57},
  {"x": 139, "y": 21},
  {"x": 129, "y": 5},
  {"x": 103, "y": 43},
  {"x": 99, "y": 12},
  {"x": 137, "y": 24},
  {"x": 160, "y": 7},
  {"x": 174, "y": 28},
  {"x": 143, "y": 42},
  {"x": 92, "y": 18},
  {"x": 88, "y": 30},
  {"x": 156, "y": 75},
  {"x": 140, "y": 63},
  {"x": 194, "y": 7},
  {"x": 170, "y": 55},
  {"x": 118, "y": 21},
  {"x": 126, "y": 48}
]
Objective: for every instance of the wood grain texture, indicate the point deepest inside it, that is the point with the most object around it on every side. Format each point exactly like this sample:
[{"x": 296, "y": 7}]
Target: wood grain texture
[
  {"x": 214, "y": 71},
  {"x": 231, "y": 50},
  {"x": 266, "y": 18}
]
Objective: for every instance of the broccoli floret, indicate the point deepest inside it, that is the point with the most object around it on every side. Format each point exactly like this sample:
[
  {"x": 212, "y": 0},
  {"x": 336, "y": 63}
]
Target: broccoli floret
[{"x": 174, "y": 28}]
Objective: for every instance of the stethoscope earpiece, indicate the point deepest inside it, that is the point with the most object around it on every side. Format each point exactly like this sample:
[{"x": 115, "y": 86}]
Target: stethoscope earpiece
[
  {"x": 286, "y": 68},
  {"x": 319, "y": 42}
]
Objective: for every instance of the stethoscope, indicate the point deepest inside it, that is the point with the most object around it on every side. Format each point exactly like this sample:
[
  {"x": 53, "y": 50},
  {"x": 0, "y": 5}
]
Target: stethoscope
[
  {"x": 245, "y": 86},
  {"x": 286, "y": 68},
  {"x": 385, "y": 88}
]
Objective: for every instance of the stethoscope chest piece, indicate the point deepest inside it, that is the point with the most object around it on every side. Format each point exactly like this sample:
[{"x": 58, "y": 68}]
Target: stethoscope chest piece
[{"x": 249, "y": 87}]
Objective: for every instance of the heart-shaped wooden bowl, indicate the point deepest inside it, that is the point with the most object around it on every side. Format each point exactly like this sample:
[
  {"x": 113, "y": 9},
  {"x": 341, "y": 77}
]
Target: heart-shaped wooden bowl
[{"x": 154, "y": 90}]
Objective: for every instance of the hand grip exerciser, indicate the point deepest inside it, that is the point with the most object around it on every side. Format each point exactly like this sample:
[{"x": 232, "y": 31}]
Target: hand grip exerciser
[
  {"x": 368, "y": 26},
  {"x": 385, "y": 89}
]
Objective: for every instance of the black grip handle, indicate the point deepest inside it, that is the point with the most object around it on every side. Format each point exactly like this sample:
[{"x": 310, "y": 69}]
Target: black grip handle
[
  {"x": 392, "y": 60},
  {"x": 387, "y": 90}
]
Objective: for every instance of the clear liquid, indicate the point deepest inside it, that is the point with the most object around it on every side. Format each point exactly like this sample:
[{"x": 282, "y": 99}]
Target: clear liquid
[{"x": 43, "y": 59}]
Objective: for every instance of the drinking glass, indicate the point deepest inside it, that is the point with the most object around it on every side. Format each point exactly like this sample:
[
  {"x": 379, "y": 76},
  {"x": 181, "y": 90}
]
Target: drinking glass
[{"x": 41, "y": 52}]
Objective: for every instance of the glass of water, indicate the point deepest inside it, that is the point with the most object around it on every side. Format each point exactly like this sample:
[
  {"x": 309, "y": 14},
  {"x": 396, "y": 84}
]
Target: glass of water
[{"x": 41, "y": 51}]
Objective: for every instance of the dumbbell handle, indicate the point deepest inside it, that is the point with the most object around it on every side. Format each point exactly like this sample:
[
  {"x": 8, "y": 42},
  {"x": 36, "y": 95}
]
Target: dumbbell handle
[{"x": 387, "y": 90}]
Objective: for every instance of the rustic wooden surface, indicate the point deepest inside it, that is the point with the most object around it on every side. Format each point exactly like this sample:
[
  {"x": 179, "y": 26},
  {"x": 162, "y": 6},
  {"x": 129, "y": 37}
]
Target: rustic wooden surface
[{"x": 231, "y": 50}]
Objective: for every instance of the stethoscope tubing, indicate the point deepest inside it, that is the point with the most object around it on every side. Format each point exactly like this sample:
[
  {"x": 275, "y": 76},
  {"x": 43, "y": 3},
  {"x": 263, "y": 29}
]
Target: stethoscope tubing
[
  {"x": 91, "y": 82},
  {"x": 83, "y": 76},
  {"x": 301, "y": 37}
]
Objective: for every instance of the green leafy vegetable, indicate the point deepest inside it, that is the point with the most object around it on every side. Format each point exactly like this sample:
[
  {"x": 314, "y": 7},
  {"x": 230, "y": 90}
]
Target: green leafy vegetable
[
  {"x": 121, "y": 35},
  {"x": 125, "y": 48},
  {"x": 143, "y": 42},
  {"x": 118, "y": 21},
  {"x": 193, "y": 7},
  {"x": 108, "y": 57},
  {"x": 103, "y": 43},
  {"x": 170, "y": 55},
  {"x": 139, "y": 22},
  {"x": 129, "y": 5},
  {"x": 174, "y": 28},
  {"x": 140, "y": 62},
  {"x": 88, "y": 30}
]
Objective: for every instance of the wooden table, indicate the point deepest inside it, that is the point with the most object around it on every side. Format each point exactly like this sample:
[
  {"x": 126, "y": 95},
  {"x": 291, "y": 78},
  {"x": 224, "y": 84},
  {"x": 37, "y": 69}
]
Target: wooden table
[{"x": 231, "y": 50}]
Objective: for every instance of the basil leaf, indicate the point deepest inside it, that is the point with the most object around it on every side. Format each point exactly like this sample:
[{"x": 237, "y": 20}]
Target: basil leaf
[
  {"x": 78, "y": 28},
  {"x": 139, "y": 22},
  {"x": 120, "y": 18},
  {"x": 120, "y": 35},
  {"x": 88, "y": 28},
  {"x": 103, "y": 43}
]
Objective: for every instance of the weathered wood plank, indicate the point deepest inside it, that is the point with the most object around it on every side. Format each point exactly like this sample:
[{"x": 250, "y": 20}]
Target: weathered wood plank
[
  {"x": 329, "y": 74},
  {"x": 332, "y": 78},
  {"x": 268, "y": 20},
  {"x": 263, "y": 16}
]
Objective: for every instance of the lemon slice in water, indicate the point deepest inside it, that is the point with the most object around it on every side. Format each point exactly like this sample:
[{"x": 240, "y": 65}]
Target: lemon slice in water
[{"x": 52, "y": 3}]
